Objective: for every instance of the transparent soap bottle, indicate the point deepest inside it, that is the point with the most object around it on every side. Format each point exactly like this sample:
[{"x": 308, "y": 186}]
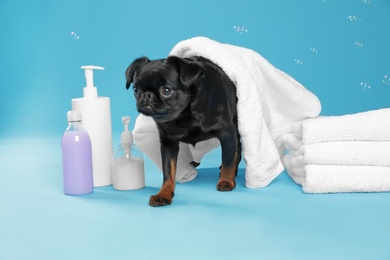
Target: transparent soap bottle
[
  {"x": 127, "y": 162},
  {"x": 76, "y": 157}
]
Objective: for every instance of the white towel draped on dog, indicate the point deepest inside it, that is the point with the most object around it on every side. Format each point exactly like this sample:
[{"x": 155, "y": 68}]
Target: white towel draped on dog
[
  {"x": 269, "y": 103},
  {"x": 349, "y": 153}
]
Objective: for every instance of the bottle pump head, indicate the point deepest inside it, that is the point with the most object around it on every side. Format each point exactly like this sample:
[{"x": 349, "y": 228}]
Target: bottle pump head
[
  {"x": 126, "y": 136},
  {"x": 90, "y": 90},
  {"x": 74, "y": 116}
]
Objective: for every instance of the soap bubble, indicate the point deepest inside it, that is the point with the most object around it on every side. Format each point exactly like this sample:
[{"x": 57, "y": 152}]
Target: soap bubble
[
  {"x": 75, "y": 36},
  {"x": 386, "y": 80},
  {"x": 358, "y": 44},
  {"x": 240, "y": 29},
  {"x": 313, "y": 50},
  {"x": 365, "y": 85},
  {"x": 367, "y": 2},
  {"x": 353, "y": 18},
  {"x": 298, "y": 61}
]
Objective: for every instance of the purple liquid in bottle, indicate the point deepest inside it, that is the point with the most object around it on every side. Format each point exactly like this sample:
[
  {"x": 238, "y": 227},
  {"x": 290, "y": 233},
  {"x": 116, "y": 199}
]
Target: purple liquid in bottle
[{"x": 77, "y": 160}]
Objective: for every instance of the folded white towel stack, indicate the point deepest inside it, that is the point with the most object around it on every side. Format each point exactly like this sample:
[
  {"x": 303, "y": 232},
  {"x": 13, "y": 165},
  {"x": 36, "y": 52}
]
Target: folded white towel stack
[
  {"x": 269, "y": 103},
  {"x": 349, "y": 153}
]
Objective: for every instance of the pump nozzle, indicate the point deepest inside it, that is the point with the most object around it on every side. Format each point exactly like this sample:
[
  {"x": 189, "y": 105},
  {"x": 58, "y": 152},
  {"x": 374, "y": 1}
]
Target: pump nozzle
[
  {"x": 127, "y": 136},
  {"x": 90, "y": 90}
]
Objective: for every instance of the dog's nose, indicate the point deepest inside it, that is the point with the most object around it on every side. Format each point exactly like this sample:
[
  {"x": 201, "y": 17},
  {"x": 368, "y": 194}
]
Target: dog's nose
[{"x": 147, "y": 95}]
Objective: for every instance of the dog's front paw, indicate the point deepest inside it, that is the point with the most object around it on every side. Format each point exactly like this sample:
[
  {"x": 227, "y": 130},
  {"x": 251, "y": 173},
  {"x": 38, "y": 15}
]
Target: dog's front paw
[
  {"x": 225, "y": 185},
  {"x": 159, "y": 200}
]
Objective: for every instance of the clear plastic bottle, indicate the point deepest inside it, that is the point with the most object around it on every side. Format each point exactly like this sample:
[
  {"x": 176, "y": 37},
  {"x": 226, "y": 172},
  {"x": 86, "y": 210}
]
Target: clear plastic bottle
[
  {"x": 76, "y": 157},
  {"x": 127, "y": 162}
]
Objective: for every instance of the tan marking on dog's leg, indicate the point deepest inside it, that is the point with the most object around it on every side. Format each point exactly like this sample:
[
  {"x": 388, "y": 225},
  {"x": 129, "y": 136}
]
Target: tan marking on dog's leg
[
  {"x": 166, "y": 193},
  {"x": 227, "y": 180},
  {"x": 169, "y": 186}
]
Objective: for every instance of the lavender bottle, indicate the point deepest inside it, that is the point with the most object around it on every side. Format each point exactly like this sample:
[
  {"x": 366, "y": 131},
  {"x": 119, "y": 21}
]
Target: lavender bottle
[{"x": 76, "y": 157}]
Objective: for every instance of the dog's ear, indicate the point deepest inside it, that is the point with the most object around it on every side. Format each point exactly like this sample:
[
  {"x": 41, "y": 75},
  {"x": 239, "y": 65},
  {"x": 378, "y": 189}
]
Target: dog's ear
[
  {"x": 133, "y": 68},
  {"x": 189, "y": 70}
]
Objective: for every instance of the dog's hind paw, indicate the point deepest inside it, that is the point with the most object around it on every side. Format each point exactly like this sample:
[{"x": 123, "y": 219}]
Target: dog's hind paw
[
  {"x": 158, "y": 200},
  {"x": 225, "y": 185}
]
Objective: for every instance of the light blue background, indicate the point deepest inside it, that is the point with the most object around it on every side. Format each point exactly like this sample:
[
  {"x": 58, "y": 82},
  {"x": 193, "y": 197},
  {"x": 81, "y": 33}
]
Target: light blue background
[
  {"x": 40, "y": 59},
  {"x": 334, "y": 48}
]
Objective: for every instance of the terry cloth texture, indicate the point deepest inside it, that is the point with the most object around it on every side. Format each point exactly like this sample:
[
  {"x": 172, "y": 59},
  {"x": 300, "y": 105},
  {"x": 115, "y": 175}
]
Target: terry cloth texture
[
  {"x": 269, "y": 103},
  {"x": 349, "y": 153}
]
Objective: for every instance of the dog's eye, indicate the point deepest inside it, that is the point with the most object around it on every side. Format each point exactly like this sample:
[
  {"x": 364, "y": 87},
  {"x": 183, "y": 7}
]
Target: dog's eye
[
  {"x": 166, "y": 92},
  {"x": 135, "y": 89}
]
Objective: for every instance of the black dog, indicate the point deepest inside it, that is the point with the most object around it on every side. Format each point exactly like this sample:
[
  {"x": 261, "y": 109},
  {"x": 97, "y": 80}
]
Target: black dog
[{"x": 190, "y": 100}]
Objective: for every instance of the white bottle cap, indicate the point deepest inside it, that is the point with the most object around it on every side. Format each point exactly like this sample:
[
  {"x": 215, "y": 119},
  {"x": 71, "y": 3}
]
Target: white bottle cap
[
  {"x": 126, "y": 136},
  {"x": 74, "y": 116},
  {"x": 90, "y": 90}
]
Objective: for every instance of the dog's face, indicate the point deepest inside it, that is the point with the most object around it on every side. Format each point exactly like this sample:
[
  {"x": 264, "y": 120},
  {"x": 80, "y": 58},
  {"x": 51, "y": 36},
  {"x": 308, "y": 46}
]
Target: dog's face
[{"x": 162, "y": 88}]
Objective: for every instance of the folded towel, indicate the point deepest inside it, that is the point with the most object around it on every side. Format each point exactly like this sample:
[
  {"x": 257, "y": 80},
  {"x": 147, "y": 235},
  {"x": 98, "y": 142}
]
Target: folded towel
[
  {"x": 349, "y": 153},
  {"x": 342, "y": 153},
  {"x": 269, "y": 103},
  {"x": 341, "y": 178},
  {"x": 367, "y": 126}
]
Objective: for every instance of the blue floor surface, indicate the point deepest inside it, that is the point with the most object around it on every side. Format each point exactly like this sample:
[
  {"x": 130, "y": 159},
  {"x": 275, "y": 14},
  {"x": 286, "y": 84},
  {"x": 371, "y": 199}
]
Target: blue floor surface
[{"x": 277, "y": 222}]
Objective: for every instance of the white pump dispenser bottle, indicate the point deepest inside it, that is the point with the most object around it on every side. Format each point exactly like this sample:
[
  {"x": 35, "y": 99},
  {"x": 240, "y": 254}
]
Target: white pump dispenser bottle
[
  {"x": 127, "y": 162},
  {"x": 97, "y": 121}
]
